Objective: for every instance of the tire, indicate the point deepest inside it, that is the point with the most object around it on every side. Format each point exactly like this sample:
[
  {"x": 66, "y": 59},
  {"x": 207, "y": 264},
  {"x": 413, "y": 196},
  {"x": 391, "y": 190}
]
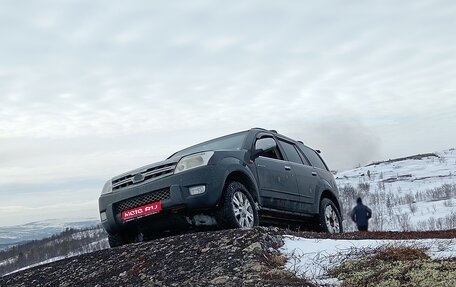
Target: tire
[
  {"x": 116, "y": 240},
  {"x": 329, "y": 217},
  {"x": 237, "y": 208},
  {"x": 119, "y": 239}
]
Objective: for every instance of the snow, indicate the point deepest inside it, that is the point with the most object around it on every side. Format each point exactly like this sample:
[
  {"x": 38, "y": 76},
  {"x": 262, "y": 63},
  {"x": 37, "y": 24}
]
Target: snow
[
  {"x": 85, "y": 235},
  {"x": 11, "y": 235},
  {"x": 41, "y": 263},
  {"x": 415, "y": 188},
  {"x": 8, "y": 261},
  {"x": 438, "y": 209},
  {"x": 397, "y": 180},
  {"x": 407, "y": 175},
  {"x": 311, "y": 258}
]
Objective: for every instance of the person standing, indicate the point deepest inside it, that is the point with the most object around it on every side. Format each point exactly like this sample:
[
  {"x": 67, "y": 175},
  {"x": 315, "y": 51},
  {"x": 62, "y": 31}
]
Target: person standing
[{"x": 361, "y": 215}]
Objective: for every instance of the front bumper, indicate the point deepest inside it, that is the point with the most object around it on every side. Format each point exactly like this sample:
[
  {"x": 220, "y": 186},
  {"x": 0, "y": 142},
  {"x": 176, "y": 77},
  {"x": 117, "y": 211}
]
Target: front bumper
[{"x": 173, "y": 191}]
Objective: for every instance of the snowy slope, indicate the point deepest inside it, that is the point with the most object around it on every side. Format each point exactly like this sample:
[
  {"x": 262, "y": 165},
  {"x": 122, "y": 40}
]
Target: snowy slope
[
  {"x": 312, "y": 258},
  {"x": 412, "y": 193},
  {"x": 66, "y": 244},
  {"x": 408, "y": 175},
  {"x": 94, "y": 246}
]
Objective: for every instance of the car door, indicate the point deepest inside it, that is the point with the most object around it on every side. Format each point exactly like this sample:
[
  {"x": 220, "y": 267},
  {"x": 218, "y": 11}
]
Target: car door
[
  {"x": 277, "y": 182},
  {"x": 306, "y": 176},
  {"x": 319, "y": 168}
]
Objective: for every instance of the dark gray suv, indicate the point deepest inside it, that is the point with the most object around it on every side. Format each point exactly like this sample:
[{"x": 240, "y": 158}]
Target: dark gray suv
[{"x": 239, "y": 180}]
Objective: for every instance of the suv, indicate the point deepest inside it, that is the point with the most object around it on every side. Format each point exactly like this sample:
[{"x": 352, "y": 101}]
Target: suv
[{"x": 239, "y": 180}]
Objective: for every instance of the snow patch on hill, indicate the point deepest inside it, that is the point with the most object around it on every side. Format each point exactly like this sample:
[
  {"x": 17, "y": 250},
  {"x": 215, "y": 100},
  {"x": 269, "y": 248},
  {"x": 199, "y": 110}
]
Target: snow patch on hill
[
  {"x": 69, "y": 243},
  {"x": 312, "y": 258},
  {"x": 412, "y": 193},
  {"x": 410, "y": 174}
]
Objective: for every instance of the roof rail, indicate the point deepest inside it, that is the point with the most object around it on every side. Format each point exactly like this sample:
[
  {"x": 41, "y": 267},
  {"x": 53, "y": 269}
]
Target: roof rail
[{"x": 273, "y": 131}]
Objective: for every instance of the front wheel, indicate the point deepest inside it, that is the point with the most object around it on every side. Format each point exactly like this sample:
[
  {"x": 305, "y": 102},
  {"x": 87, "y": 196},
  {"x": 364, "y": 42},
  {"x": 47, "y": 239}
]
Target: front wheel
[
  {"x": 237, "y": 208},
  {"x": 330, "y": 219},
  {"x": 117, "y": 240},
  {"x": 120, "y": 239}
]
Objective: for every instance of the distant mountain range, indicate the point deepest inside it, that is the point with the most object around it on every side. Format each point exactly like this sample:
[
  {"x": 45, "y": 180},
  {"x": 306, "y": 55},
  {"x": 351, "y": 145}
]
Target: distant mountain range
[{"x": 13, "y": 235}]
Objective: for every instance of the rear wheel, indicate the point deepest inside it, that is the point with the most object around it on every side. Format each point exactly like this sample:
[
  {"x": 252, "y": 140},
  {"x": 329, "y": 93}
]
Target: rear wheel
[
  {"x": 330, "y": 219},
  {"x": 237, "y": 209}
]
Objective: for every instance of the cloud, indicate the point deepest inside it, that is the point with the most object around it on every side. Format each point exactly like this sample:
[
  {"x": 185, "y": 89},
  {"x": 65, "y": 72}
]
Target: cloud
[
  {"x": 342, "y": 144},
  {"x": 219, "y": 43},
  {"x": 19, "y": 214},
  {"x": 78, "y": 205}
]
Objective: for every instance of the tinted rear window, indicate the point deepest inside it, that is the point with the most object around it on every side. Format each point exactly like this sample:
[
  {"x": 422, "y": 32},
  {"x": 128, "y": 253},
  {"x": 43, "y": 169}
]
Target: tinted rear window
[
  {"x": 291, "y": 152},
  {"x": 313, "y": 157}
]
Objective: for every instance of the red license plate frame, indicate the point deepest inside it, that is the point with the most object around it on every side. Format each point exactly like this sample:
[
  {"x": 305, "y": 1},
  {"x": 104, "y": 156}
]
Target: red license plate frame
[{"x": 141, "y": 211}]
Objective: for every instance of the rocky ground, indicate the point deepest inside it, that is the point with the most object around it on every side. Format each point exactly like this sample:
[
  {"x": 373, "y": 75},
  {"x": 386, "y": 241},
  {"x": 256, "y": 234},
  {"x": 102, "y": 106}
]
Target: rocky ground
[{"x": 218, "y": 258}]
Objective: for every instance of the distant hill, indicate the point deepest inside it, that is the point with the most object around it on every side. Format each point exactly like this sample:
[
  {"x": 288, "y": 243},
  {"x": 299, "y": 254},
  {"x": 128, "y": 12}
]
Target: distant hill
[
  {"x": 17, "y": 234},
  {"x": 68, "y": 243},
  {"x": 417, "y": 192}
]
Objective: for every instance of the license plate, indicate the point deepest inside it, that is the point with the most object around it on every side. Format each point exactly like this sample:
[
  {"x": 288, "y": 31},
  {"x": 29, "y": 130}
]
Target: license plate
[{"x": 142, "y": 211}]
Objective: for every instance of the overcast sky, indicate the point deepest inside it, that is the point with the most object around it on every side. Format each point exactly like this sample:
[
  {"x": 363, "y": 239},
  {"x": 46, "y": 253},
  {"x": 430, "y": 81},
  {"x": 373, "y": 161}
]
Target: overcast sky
[{"x": 90, "y": 89}]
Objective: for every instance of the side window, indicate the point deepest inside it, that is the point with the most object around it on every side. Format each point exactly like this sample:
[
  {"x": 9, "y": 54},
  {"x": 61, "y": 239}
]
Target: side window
[
  {"x": 291, "y": 152},
  {"x": 313, "y": 157},
  {"x": 268, "y": 143}
]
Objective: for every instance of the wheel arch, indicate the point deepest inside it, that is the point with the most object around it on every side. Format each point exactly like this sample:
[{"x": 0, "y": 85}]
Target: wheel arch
[
  {"x": 244, "y": 179},
  {"x": 330, "y": 195}
]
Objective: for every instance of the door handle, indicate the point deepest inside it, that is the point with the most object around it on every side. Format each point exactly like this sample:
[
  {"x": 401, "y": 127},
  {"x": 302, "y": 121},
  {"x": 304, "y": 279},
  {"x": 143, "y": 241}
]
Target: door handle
[
  {"x": 261, "y": 165},
  {"x": 314, "y": 173},
  {"x": 287, "y": 167}
]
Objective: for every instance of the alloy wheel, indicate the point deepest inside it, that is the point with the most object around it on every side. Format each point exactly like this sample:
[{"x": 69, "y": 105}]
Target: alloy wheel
[
  {"x": 332, "y": 220},
  {"x": 243, "y": 211}
]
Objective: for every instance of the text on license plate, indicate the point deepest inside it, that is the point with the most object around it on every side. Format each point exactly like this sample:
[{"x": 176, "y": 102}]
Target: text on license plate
[{"x": 142, "y": 210}]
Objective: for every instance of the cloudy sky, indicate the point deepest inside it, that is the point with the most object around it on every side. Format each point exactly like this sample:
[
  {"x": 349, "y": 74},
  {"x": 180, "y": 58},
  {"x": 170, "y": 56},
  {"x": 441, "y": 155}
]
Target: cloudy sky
[{"x": 90, "y": 89}]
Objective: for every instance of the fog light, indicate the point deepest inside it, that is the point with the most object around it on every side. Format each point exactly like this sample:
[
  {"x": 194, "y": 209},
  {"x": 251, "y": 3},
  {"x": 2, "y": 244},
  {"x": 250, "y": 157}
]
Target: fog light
[
  {"x": 103, "y": 216},
  {"x": 199, "y": 189}
]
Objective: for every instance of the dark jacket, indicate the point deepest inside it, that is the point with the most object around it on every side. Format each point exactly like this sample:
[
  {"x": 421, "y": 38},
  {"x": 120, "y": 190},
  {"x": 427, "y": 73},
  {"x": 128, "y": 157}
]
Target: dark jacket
[{"x": 361, "y": 214}]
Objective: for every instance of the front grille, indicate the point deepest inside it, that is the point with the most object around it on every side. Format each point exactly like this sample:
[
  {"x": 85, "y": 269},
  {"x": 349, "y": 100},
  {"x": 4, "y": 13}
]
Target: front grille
[
  {"x": 143, "y": 200},
  {"x": 149, "y": 174}
]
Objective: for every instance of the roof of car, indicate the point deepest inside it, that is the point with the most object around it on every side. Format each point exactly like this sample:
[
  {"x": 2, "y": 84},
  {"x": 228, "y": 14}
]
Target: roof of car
[{"x": 276, "y": 133}]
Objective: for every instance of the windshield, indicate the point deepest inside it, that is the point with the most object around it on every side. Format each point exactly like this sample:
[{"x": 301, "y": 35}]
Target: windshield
[{"x": 229, "y": 142}]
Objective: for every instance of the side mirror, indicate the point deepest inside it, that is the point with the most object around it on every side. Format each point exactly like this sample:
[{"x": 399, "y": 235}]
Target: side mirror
[
  {"x": 263, "y": 145},
  {"x": 256, "y": 153}
]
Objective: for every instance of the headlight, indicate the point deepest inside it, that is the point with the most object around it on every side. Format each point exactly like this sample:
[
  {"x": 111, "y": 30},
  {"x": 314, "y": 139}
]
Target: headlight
[
  {"x": 192, "y": 161},
  {"x": 107, "y": 188}
]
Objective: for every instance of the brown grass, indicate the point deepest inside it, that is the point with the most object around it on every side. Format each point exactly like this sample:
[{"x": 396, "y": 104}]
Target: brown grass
[{"x": 401, "y": 254}]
